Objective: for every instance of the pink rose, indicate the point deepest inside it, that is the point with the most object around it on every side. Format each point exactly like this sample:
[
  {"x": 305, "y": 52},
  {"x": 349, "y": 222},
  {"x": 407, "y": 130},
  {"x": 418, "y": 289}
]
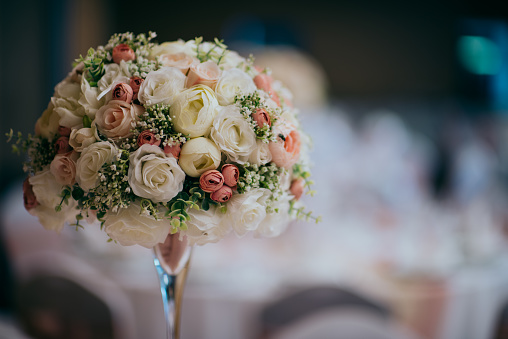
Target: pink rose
[
  {"x": 211, "y": 181},
  {"x": 174, "y": 150},
  {"x": 206, "y": 73},
  {"x": 286, "y": 151},
  {"x": 29, "y": 198},
  {"x": 63, "y": 168},
  {"x": 147, "y": 137},
  {"x": 64, "y": 131},
  {"x": 296, "y": 188},
  {"x": 264, "y": 81},
  {"x": 261, "y": 117},
  {"x": 223, "y": 194},
  {"x": 135, "y": 82},
  {"x": 123, "y": 52},
  {"x": 181, "y": 61},
  {"x": 123, "y": 92},
  {"x": 231, "y": 175},
  {"x": 115, "y": 119},
  {"x": 62, "y": 145}
]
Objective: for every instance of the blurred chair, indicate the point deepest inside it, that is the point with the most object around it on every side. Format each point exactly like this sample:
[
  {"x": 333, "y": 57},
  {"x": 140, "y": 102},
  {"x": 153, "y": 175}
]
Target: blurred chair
[
  {"x": 326, "y": 313},
  {"x": 61, "y": 297}
]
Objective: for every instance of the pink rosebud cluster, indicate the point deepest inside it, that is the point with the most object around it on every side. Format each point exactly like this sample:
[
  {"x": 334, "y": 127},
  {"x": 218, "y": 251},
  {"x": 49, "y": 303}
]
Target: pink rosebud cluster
[
  {"x": 123, "y": 52},
  {"x": 220, "y": 185}
]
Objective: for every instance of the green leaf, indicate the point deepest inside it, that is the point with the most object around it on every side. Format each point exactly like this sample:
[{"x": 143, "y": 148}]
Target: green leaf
[
  {"x": 87, "y": 122},
  {"x": 58, "y": 208},
  {"x": 77, "y": 193},
  {"x": 205, "y": 205}
]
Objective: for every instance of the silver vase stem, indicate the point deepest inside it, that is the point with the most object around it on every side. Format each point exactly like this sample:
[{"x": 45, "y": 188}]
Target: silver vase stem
[{"x": 171, "y": 259}]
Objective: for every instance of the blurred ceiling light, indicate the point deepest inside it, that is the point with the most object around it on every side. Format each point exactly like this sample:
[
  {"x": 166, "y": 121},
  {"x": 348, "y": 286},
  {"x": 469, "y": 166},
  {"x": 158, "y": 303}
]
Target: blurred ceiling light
[{"x": 479, "y": 55}]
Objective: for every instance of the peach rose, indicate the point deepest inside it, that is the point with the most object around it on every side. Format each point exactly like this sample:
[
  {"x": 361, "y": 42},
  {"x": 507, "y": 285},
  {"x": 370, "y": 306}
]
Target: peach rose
[
  {"x": 206, "y": 73},
  {"x": 261, "y": 117},
  {"x": 264, "y": 81},
  {"x": 296, "y": 188},
  {"x": 123, "y": 52},
  {"x": 211, "y": 181},
  {"x": 231, "y": 175},
  {"x": 135, "y": 82},
  {"x": 147, "y": 137},
  {"x": 174, "y": 150},
  {"x": 286, "y": 151},
  {"x": 63, "y": 168},
  {"x": 62, "y": 145},
  {"x": 181, "y": 61},
  {"x": 223, "y": 194},
  {"x": 29, "y": 198},
  {"x": 115, "y": 119},
  {"x": 64, "y": 131},
  {"x": 123, "y": 92}
]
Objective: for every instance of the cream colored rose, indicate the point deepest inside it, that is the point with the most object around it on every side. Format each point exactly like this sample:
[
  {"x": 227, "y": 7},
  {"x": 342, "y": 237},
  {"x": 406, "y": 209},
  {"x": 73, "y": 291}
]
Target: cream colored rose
[
  {"x": 63, "y": 168},
  {"x": 115, "y": 119},
  {"x": 47, "y": 125},
  {"x": 233, "y": 134},
  {"x": 91, "y": 161},
  {"x": 153, "y": 175},
  {"x": 89, "y": 99},
  {"x": 231, "y": 60},
  {"x": 114, "y": 73},
  {"x": 275, "y": 222},
  {"x": 181, "y": 61},
  {"x": 65, "y": 101},
  {"x": 82, "y": 138},
  {"x": 206, "y": 226},
  {"x": 233, "y": 82},
  {"x": 198, "y": 156},
  {"x": 130, "y": 227},
  {"x": 47, "y": 191},
  {"x": 246, "y": 211},
  {"x": 173, "y": 47},
  {"x": 261, "y": 154},
  {"x": 161, "y": 87},
  {"x": 194, "y": 110}
]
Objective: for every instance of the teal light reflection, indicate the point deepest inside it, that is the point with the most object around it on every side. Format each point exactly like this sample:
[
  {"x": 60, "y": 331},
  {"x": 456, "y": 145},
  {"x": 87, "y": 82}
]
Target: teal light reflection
[{"x": 479, "y": 55}]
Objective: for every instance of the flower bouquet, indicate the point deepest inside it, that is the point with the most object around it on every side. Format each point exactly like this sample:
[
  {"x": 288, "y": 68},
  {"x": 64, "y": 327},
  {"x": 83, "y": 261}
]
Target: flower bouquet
[{"x": 167, "y": 145}]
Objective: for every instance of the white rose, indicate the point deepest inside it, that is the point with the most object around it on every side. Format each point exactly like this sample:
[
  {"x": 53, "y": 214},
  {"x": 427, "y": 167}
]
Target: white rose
[
  {"x": 233, "y": 82},
  {"x": 47, "y": 125},
  {"x": 114, "y": 73},
  {"x": 47, "y": 191},
  {"x": 89, "y": 100},
  {"x": 246, "y": 211},
  {"x": 129, "y": 227},
  {"x": 194, "y": 110},
  {"x": 160, "y": 87},
  {"x": 82, "y": 138},
  {"x": 261, "y": 154},
  {"x": 275, "y": 222},
  {"x": 206, "y": 226},
  {"x": 154, "y": 176},
  {"x": 66, "y": 104},
  {"x": 198, "y": 156},
  {"x": 91, "y": 161},
  {"x": 231, "y": 60},
  {"x": 233, "y": 134},
  {"x": 173, "y": 47}
]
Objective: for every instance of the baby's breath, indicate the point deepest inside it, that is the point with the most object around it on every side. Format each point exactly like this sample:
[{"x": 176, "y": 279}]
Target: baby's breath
[{"x": 249, "y": 104}]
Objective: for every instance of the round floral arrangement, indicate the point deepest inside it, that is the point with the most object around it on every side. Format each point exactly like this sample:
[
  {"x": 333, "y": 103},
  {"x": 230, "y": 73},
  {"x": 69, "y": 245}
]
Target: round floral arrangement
[{"x": 151, "y": 139}]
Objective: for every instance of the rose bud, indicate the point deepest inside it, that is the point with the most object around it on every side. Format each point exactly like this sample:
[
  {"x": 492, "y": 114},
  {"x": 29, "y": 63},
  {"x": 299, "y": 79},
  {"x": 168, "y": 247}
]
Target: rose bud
[
  {"x": 296, "y": 188},
  {"x": 174, "y": 150},
  {"x": 29, "y": 198},
  {"x": 123, "y": 92},
  {"x": 261, "y": 117},
  {"x": 211, "y": 181},
  {"x": 123, "y": 52},
  {"x": 223, "y": 194},
  {"x": 147, "y": 137},
  {"x": 135, "y": 82},
  {"x": 64, "y": 131},
  {"x": 62, "y": 145},
  {"x": 231, "y": 175},
  {"x": 263, "y": 81}
]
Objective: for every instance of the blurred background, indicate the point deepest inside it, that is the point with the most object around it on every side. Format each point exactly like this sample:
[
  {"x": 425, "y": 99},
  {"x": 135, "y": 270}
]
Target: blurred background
[{"x": 407, "y": 104}]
